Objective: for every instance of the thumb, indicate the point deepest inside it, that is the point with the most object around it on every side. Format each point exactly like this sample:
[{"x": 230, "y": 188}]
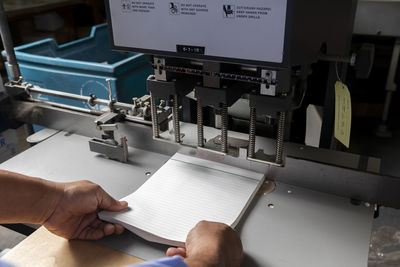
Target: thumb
[
  {"x": 176, "y": 251},
  {"x": 106, "y": 202}
]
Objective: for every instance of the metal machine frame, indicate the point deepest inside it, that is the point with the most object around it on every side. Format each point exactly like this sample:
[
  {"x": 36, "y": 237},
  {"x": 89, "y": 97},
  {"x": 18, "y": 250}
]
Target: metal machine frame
[
  {"x": 354, "y": 177},
  {"x": 274, "y": 89},
  {"x": 339, "y": 173},
  {"x": 323, "y": 170}
]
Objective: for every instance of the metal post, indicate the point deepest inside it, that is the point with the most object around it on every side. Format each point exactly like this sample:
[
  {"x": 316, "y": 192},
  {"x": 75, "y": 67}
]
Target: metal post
[
  {"x": 124, "y": 145},
  {"x": 8, "y": 44},
  {"x": 391, "y": 87},
  {"x": 386, "y": 107},
  {"x": 390, "y": 84},
  {"x": 154, "y": 118},
  {"x": 200, "y": 130},
  {"x": 110, "y": 97},
  {"x": 280, "y": 137},
  {"x": 175, "y": 116},
  {"x": 224, "y": 129},
  {"x": 252, "y": 133}
]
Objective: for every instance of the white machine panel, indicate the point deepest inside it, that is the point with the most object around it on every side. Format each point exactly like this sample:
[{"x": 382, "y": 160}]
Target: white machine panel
[{"x": 248, "y": 30}]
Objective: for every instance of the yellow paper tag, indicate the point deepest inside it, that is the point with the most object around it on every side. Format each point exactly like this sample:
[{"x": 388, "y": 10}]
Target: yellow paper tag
[{"x": 342, "y": 113}]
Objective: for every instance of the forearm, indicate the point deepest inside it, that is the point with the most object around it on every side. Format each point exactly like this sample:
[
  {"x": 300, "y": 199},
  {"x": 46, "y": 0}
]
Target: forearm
[{"x": 27, "y": 199}]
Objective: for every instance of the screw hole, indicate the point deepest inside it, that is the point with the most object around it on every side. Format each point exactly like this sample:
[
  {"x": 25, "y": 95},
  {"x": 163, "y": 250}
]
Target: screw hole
[
  {"x": 271, "y": 206},
  {"x": 147, "y": 173},
  {"x": 355, "y": 202}
]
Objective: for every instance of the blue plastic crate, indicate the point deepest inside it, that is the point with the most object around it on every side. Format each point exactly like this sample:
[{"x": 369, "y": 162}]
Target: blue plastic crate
[{"x": 82, "y": 67}]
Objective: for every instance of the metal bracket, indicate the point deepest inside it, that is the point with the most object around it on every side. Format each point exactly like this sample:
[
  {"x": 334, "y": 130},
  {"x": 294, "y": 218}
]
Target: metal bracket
[
  {"x": 107, "y": 145},
  {"x": 270, "y": 87},
  {"x": 117, "y": 152},
  {"x": 159, "y": 70}
]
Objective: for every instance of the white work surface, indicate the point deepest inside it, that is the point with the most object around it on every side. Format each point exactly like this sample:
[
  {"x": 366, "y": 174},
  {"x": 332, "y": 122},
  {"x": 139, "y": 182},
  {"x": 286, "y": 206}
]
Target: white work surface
[{"x": 305, "y": 228}]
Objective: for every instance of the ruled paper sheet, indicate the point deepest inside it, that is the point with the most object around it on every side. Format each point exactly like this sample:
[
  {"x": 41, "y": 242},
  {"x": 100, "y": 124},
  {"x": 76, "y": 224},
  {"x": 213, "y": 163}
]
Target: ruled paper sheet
[{"x": 183, "y": 192}]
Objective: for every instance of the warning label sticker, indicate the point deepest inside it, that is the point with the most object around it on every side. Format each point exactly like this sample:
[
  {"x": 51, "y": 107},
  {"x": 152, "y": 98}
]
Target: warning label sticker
[
  {"x": 252, "y": 12},
  {"x": 245, "y": 12},
  {"x": 136, "y": 6},
  {"x": 187, "y": 8}
]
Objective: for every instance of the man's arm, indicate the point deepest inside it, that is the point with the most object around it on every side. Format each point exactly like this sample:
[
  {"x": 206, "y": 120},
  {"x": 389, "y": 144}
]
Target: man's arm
[
  {"x": 208, "y": 244},
  {"x": 66, "y": 209},
  {"x": 26, "y": 199},
  {"x": 211, "y": 244},
  {"x": 70, "y": 210}
]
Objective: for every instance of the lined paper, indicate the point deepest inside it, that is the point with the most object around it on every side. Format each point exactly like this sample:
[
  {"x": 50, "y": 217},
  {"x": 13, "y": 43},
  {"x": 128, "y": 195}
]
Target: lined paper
[{"x": 183, "y": 192}]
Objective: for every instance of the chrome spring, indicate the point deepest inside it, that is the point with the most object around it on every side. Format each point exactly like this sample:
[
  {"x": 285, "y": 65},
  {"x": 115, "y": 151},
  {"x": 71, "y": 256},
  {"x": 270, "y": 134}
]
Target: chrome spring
[
  {"x": 280, "y": 137},
  {"x": 224, "y": 129},
  {"x": 154, "y": 118},
  {"x": 200, "y": 130},
  {"x": 252, "y": 133},
  {"x": 175, "y": 116}
]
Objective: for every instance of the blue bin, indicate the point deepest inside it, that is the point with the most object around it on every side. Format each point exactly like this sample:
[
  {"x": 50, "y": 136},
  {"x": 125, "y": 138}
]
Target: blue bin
[{"x": 82, "y": 67}]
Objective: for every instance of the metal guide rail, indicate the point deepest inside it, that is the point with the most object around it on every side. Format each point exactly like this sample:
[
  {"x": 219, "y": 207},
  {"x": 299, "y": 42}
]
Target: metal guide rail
[{"x": 225, "y": 76}]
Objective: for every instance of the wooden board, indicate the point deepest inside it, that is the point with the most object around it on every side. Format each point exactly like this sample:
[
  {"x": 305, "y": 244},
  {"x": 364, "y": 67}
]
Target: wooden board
[{"x": 45, "y": 249}]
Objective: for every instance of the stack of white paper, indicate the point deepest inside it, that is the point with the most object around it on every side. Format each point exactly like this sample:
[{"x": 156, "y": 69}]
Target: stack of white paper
[{"x": 183, "y": 192}]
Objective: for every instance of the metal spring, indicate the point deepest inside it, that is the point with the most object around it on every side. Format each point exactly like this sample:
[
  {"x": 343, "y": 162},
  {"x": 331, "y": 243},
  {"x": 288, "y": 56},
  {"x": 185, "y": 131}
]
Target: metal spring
[
  {"x": 224, "y": 129},
  {"x": 252, "y": 133},
  {"x": 175, "y": 116},
  {"x": 154, "y": 118},
  {"x": 280, "y": 137},
  {"x": 200, "y": 130}
]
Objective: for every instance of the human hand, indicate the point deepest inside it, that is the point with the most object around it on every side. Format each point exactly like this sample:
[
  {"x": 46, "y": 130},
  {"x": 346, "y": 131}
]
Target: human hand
[
  {"x": 75, "y": 214},
  {"x": 211, "y": 244}
]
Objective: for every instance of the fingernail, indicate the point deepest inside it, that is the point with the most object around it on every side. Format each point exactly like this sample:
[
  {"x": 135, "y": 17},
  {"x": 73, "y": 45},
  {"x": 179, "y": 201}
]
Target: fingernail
[
  {"x": 109, "y": 229},
  {"x": 123, "y": 203}
]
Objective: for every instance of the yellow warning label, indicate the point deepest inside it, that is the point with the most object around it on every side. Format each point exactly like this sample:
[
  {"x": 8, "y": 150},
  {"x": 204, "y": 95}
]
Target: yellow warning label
[{"x": 342, "y": 113}]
